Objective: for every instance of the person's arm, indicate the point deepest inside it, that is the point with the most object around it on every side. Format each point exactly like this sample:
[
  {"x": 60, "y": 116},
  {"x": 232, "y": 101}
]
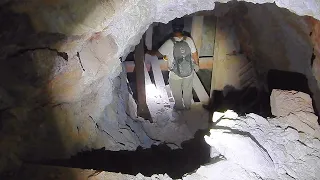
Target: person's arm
[
  {"x": 194, "y": 52},
  {"x": 195, "y": 57},
  {"x": 155, "y": 53},
  {"x": 162, "y": 52}
]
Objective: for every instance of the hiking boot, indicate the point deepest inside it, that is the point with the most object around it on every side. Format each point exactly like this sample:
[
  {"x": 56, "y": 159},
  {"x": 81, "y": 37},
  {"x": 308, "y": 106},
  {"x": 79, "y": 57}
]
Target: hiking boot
[
  {"x": 178, "y": 108},
  {"x": 206, "y": 106}
]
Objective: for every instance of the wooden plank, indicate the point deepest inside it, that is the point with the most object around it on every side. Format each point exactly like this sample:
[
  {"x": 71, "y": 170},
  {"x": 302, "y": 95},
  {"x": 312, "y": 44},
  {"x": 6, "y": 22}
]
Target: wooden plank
[
  {"x": 142, "y": 109},
  {"x": 196, "y": 31},
  {"x": 154, "y": 100},
  {"x": 147, "y": 76},
  {"x": 208, "y": 35},
  {"x": 226, "y": 65},
  {"x": 215, "y": 56},
  {"x": 159, "y": 81},
  {"x": 205, "y": 63},
  {"x": 148, "y": 40},
  {"x": 199, "y": 89}
]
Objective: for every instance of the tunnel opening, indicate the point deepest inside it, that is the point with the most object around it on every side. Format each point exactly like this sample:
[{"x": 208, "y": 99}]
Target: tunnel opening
[
  {"x": 242, "y": 84},
  {"x": 240, "y": 69}
]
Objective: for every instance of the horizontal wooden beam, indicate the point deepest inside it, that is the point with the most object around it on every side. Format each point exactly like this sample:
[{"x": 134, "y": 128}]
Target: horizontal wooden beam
[{"x": 205, "y": 63}]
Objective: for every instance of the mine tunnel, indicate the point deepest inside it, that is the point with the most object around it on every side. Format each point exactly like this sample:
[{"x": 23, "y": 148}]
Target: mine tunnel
[{"x": 82, "y": 97}]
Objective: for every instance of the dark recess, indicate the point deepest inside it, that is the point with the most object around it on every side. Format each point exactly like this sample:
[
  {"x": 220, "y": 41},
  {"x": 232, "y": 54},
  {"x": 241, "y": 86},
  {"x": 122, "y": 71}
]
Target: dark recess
[
  {"x": 248, "y": 100},
  {"x": 286, "y": 80},
  {"x": 251, "y": 100},
  {"x": 156, "y": 160},
  {"x": 313, "y": 57}
]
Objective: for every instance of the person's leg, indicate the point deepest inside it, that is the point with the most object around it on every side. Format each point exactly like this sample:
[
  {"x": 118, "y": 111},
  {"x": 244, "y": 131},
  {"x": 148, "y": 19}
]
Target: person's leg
[
  {"x": 176, "y": 88},
  {"x": 187, "y": 85}
]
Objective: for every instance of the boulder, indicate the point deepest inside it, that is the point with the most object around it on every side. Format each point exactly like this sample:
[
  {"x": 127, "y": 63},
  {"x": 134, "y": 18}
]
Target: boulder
[
  {"x": 285, "y": 102},
  {"x": 274, "y": 148}
]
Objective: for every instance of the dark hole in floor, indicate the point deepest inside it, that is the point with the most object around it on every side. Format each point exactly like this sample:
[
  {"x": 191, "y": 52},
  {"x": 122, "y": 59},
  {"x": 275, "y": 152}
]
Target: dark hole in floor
[{"x": 155, "y": 160}]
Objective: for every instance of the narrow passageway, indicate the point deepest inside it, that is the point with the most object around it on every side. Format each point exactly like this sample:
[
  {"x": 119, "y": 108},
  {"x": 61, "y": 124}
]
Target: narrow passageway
[{"x": 229, "y": 69}]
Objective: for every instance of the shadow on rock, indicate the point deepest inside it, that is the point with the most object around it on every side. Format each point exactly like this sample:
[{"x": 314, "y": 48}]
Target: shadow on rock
[{"x": 156, "y": 160}]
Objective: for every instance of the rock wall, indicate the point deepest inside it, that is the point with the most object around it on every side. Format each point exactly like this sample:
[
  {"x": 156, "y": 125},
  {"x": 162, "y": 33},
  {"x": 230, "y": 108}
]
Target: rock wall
[
  {"x": 54, "y": 104},
  {"x": 251, "y": 147},
  {"x": 272, "y": 38},
  {"x": 59, "y": 72},
  {"x": 315, "y": 59}
]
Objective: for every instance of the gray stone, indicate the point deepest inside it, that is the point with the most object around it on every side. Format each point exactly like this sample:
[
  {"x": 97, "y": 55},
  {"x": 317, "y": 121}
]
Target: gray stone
[
  {"x": 277, "y": 149},
  {"x": 284, "y": 102}
]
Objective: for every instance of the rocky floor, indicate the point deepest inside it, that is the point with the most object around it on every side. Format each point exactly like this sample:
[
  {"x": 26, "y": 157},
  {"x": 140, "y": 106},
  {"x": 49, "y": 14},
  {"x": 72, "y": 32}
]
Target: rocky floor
[
  {"x": 242, "y": 147},
  {"x": 252, "y": 147},
  {"x": 173, "y": 128}
]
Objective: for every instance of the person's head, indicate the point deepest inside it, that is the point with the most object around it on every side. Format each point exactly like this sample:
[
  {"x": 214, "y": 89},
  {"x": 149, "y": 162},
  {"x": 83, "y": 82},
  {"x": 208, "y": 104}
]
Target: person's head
[{"x": 177, "y": 26}]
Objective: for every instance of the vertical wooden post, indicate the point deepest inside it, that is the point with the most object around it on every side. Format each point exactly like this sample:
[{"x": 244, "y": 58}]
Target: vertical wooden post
[
  {"x": 196, "y": 31},
  {"x": 226, "y": 65},
  {"x": 215, "y": 57},
  {"x": 148, "y": 39},
  {"x": 143, "y": 110}
]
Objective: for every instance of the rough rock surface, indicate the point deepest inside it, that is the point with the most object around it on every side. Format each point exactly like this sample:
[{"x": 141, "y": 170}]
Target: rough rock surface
[
  {"x": 315, "y": 60},
  {"x": 284, "y": 44},
  {"x": 249, "y": 147},
  {"x": 264, "y": 148},
  {"x": 61, "y": 92},
  {"x": 284, "y": 102},
  {"x": 252, "y": 147}
]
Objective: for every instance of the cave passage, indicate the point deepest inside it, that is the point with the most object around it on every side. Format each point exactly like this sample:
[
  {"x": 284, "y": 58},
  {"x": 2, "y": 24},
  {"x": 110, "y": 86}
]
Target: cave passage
[
  {"x": 239, "y": 92},
  {"x": 58, "y": 102},
  {"x": 230, "y": 73}
]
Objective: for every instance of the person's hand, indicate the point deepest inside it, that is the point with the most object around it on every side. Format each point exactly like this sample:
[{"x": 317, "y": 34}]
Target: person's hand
[
  {"x": 196, "y": 67},
  {"x": 165, "y": 58}
]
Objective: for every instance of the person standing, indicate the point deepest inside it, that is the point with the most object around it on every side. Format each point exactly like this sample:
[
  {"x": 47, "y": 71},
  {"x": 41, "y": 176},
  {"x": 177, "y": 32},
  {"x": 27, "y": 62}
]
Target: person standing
[{"x": 182, "y": 57}]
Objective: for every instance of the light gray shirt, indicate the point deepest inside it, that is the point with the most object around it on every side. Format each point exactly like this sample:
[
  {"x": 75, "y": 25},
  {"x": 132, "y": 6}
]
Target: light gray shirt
[{"x": 167, "y": 50}]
